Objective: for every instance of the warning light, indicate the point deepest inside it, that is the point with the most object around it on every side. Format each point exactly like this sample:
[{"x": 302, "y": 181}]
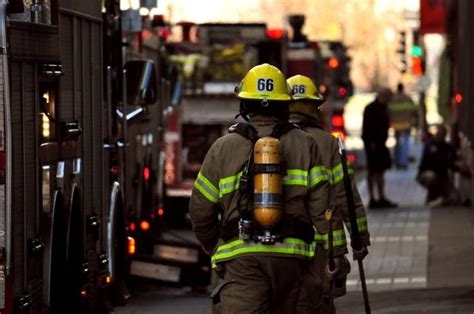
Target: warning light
[
  {"x": 160, "y": 212},
  {"x": 144, "y": 225},
  {"x": 83, "y": 292},
  {"x": 458, "y": 98},
  {"x": 132, "y": 227},
  {"x": 131, "y": 246},
  {"x": 342, "y": 91},
  {"x": 115, "y": 170},
  {"x": 337, "y": 121},
  {"x": 336, "y": 134},
  {"x": 275, "y": 33},
  {"x": 333, "y": 63},
  {"x": 146, "y": 173}
]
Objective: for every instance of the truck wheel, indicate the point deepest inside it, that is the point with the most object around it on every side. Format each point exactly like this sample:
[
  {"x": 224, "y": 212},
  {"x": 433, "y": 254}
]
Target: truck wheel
[
  {"x": 57, "y": 257},
  {"x": 74, "y": 254},
  {"x": 117, "y": 247}
]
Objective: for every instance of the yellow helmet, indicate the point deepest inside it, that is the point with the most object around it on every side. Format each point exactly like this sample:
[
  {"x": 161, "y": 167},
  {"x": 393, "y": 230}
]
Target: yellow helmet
[
  {"x": 264, "y": 82},
  {"x": 303, "y": 88}
]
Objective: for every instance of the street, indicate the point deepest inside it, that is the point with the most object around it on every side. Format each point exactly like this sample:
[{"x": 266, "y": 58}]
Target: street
[{"x": 419, "y": 260}]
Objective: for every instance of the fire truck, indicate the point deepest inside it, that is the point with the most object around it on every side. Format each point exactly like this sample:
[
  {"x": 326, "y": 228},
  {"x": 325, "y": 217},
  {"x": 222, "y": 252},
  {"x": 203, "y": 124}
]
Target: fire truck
[
  {"x": 80, "y": 155},
  {"x": 215, "y": 57},
  {"x": 328, "y": 64}
]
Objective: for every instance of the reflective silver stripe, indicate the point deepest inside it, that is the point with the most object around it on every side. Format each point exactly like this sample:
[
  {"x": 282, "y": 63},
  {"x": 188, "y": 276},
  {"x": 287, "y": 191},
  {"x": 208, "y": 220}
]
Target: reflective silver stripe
[
  {"x": 317, "y": 174},
  {"x": 289, "y": 246},
  {"x": 206, "y": 188}
]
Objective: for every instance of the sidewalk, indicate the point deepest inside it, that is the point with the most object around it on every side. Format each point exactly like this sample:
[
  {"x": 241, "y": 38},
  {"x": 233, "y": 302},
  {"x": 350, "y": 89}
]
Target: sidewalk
[{"x": 420, "y": 260}]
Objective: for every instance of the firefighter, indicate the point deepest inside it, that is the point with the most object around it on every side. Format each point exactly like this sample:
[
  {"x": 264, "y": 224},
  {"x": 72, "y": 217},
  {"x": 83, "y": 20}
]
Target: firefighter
[
  {"x": 263, "y": 254},
  {"x": 304, "y": 111}
]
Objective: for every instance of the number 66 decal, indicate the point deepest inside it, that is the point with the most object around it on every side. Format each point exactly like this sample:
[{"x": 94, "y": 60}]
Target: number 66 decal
[
  {"x": 264, "y": 84},
  {"x": 299, "y": 89}
]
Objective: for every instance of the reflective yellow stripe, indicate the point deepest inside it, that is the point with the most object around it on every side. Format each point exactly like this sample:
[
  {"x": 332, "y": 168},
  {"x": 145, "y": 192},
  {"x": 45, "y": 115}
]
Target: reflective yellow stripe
[
  {"x": 339, "y": 238},
  {"x": 229, "y": 184},
  {"x": 296, "y": 177},
  {"x": 361, "y": 224},
  {"x": 337, "y": 173},
  {"x": 402, "y": 106},
  {"x": 203, "y": 185},
  {"x": 317, "y": 174},
  {"x": 289, "y": 246}
]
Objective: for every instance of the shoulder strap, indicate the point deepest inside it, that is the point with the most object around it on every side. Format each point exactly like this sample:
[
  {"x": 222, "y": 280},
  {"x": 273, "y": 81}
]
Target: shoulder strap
[
  {"x": 245, "y": 130},
  {"x": 281, "y": 129},
  {"x": 307, "y": 123}
]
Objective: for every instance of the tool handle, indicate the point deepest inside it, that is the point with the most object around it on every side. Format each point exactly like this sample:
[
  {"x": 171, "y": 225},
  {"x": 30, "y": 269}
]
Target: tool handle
[
  {"x": 364, "y": 287},
  {"x": 355, "y": 234},
  {"x": 328, "y": 215}
]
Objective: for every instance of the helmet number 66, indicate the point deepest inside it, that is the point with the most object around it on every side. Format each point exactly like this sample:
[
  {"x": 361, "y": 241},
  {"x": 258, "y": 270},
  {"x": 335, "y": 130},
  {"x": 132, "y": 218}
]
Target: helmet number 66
[
  {"x": 264, "y": 84},
  {"x": 299, "y": 89}
]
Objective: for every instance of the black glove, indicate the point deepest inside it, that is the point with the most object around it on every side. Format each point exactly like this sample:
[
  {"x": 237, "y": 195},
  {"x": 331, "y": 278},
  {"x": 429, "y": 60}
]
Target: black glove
[
  {"x": 337, "y": 268},
  {"x": 360, "y": 254}
]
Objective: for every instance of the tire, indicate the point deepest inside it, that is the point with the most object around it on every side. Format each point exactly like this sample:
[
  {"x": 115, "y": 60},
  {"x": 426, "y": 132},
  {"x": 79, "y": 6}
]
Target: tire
[{"x": 117, "y": 244}]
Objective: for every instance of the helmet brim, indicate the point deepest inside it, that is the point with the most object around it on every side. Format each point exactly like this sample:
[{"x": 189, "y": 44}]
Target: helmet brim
[{"x": 260, "y": 96}]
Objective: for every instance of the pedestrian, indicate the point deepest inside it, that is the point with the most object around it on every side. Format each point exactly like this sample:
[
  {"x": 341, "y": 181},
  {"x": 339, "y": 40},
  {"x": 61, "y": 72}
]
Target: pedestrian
[
  {"x": 438, "y": 162},
  {"x": 261, "y": 275},
  {"x": 305, "y": 112},
  {"x": 375, "y": 127},
  {"x": 403, "y": 117}
]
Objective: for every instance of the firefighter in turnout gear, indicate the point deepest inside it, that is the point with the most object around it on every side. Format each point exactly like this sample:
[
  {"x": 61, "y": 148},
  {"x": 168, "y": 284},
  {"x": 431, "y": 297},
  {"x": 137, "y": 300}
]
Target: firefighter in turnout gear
[
  {"x": 260, "y": 194},
  {"x": 304, "y": 111}
]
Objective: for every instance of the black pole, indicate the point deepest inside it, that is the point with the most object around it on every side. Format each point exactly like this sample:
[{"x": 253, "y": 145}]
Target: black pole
[{"x": 354, "y": 230}]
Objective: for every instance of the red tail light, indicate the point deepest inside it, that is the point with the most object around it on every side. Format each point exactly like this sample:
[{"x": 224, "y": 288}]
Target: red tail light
[
  {"x": 133, "y": 227},
  {"x": 132, "y": 248},
  {"x": 145, "y": 225},
  {"x": 337, "y": 121},
  {"x": 160, "y": 212},
  {"x": 342, "y": 91},
  {"x": 275, "y": 33},
  {"x": 458, "y": 98},
  {"x": 351, "y": 158},
  {"x": 146, "y": 173},
  {"x": 333, "y": 63}
]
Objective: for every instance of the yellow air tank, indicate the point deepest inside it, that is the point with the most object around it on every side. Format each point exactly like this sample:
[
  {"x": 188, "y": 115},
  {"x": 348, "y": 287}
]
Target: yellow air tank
[{"x": 267, "y": 182}]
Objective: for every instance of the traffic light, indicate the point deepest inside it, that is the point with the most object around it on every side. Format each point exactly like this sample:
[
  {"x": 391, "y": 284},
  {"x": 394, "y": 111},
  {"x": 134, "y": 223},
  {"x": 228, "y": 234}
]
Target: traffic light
[
  {"x": 417, "y": 60},
  {"x": 416, "y": 66},
  {"x": 401, "y": 51}
]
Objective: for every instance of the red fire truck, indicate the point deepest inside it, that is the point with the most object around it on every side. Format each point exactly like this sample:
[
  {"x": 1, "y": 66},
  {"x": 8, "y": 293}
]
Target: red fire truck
[{"x": 80, "y": 147}]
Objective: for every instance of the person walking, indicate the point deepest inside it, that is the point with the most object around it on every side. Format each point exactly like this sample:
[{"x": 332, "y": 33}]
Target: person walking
[
  {"x": 265, "y": 267},
  {"x": 305, "y": 112},
  {"x": 403, "y": 116},
  {"x": 375, "y": 125}
]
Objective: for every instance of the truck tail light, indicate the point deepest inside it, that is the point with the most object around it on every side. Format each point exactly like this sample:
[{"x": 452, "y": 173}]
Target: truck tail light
[
  {"x": 146, "y": 173},
  {"x": 132, "y": 248},
  {"x": 145, "y": 225},
  {"x": 337, "y": 121}
]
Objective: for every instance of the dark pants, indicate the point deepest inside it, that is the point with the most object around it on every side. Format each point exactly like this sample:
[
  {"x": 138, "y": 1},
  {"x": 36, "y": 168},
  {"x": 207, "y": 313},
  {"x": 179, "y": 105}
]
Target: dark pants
[
  {"x": 339, "y": 284},
  {"x": 266, "y": 284}
]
